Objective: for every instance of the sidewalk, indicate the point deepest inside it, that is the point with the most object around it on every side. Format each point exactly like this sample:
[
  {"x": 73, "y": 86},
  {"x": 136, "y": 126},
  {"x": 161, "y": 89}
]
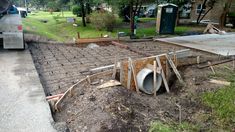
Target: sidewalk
[{"x": 23, "y": 107}]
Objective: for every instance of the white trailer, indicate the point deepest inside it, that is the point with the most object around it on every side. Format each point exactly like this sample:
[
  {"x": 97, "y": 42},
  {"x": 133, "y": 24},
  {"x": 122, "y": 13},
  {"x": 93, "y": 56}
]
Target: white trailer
[{"x": 11, "y": 30}]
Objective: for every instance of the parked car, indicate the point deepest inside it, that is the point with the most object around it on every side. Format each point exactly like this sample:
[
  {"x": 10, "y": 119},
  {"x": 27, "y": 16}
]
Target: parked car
[
  {"x": 151, "y": 13},
  {"x": 141, "y": 14},
  {"x": 22, "y": 11}
]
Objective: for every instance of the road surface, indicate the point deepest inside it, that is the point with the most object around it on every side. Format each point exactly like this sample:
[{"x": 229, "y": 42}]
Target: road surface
[{"x": 23, "y": 107}]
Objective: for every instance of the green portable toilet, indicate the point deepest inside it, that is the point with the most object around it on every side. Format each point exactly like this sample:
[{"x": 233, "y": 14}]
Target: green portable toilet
[{"x": 166, "y": 18}]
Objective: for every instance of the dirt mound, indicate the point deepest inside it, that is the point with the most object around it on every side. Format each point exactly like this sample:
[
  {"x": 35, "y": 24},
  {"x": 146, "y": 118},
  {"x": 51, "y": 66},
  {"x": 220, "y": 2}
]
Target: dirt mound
[{"x": 119, "y": 109}]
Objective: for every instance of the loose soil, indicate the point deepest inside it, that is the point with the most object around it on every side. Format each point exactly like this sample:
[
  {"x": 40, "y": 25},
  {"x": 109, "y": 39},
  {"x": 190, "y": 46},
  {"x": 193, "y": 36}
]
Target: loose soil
[{"x": 117, "y": 108}]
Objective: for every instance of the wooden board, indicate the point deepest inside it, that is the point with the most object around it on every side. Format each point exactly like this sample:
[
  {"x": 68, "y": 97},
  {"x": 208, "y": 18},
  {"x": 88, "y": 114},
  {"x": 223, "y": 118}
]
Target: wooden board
[
  {"x": 139, "y": 64},
  {"x": 94, "y": 40}
]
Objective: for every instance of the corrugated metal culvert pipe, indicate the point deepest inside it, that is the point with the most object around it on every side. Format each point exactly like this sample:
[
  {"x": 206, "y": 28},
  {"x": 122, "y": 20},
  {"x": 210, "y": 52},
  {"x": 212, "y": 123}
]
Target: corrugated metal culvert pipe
[{"x": 145, "y": 81}]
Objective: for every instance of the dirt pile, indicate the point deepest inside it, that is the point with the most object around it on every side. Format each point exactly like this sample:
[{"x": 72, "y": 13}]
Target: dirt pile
[{"x": 118, "y": 109}]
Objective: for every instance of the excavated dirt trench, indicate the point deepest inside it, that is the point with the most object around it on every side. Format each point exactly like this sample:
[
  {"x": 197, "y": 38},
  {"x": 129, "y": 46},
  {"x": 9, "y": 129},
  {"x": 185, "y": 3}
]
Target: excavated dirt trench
[{"x": 116, "y": 109}]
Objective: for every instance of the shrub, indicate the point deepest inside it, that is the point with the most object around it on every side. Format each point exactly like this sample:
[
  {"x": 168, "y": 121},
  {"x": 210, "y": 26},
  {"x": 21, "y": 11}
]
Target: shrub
[
  {"x": 103, "y": 20},
  {"x": 231, "y": 16},
  {"x": 77, "y": 11}
]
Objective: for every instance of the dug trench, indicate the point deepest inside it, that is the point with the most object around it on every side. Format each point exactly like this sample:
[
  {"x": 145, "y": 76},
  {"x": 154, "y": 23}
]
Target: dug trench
[{"x": 117, "y": 108}]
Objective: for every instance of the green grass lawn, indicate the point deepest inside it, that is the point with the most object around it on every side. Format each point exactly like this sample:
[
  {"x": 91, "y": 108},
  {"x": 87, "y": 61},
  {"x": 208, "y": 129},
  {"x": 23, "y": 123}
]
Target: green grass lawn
[
  {"x": 58, "y": 29},
  {"x": 222, "y": 101},
  {"x": 158, "y": 126}
]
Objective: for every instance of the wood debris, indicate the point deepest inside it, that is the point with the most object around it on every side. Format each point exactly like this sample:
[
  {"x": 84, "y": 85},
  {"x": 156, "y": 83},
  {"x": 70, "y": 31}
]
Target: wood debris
[
  {"x": 213, "y": 30},
  {"x": 220, "y": 82},
  {"x": 110, "y": 83}
]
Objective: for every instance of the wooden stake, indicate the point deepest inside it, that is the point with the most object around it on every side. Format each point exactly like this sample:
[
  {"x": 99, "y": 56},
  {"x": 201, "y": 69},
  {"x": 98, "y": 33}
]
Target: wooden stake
[
  {"x": 210, "y": 65},
  {"x": 174, "y": 69},
  {"x": 180, "y": 113},
  {"x": 129, "y": 74},
  {"x": 198, "y": 60},
  {"x": 162, "y": 74},
  {"x": 167, "y": 71},
  {"x": 115, "y": 68},
  {"x": 154, "y": 78},
  {"x": 233, "y": 63},
  {"x": 78, "y": 34},
  {"x": 88, "y": 79},
  {"x": 175, "y": 59}
]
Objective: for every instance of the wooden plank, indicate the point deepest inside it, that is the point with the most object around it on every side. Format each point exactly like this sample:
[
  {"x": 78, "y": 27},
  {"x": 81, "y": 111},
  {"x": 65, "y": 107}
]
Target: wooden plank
[
  {"x": 154, "y": 78},
  {"x": 119, "y": 45},
  {"x": 215, "y": 63},
  {"x": 129, "y": 74},
  {"x": 115, "y": 68},
  {"x": 134, "y": 76},
  {"x": 141, "y": 63},
  {"x": 149, "y": 66},
  {"x": 174, "y": 69},
  {"x": 101, "y": 68},
  {"x": 70, "y": 91},
  {"x": 219, "y": 82},
  {"x": 168, "y": 71},
  {"x": 162, "y": 74},
  {"x": 93, "y": 40},
  {"x": 110, "y": 83}
]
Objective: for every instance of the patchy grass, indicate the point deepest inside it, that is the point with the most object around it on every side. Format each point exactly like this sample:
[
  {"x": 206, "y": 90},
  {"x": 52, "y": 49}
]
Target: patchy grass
[
  {"x": 161, "y": 127},
  {"x": 58, "y": 29},
  {"x": 147, "y": 19},
  {"x": 182, "y": 29},
  {"x": 222, "y": 101}
]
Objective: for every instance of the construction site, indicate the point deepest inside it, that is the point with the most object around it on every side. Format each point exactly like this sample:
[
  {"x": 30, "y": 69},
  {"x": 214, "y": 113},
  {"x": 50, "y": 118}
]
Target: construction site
[
  {"x": 108, "y": 85},
  {"x": 116, "y": 84}
]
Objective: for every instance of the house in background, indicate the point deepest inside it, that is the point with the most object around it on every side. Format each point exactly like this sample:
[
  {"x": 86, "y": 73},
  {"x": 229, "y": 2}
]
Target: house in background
[{"x": 190, "y": 11}]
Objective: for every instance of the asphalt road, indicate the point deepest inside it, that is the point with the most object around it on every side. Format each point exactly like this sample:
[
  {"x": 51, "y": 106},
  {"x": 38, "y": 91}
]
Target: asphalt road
[{"x": 22, "y": 101}]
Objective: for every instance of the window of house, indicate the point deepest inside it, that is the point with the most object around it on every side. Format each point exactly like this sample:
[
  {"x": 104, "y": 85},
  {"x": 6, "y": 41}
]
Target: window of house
[
  {"x": 199, "y": 8},
  {"x": 185, "y": 11}
]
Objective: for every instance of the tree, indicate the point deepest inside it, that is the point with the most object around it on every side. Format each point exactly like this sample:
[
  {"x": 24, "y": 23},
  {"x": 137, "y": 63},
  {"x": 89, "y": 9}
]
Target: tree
[
  {"x": 224, "y": 13},
  {"x": 83, "y": 13},
  {"x": 85, "y": 6},
  {"x": 210, "y": 4},
  {"x": 39, "y": 3},
  {"x": 201, "y": 11},
  {"x": 135, "y": 6},
  {"x": 61, "y": 4},
  {"x": 206, "y": 3}
]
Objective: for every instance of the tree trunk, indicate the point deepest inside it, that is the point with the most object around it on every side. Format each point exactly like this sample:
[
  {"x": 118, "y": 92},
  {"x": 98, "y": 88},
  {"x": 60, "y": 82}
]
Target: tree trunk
[
  {"x": 205, "y": 14},
  {"x": 132, "y": 18},
  {"x": 224, "y": 14},
  {"x": 83, "y": 13},
  {"x": 203, "y": 6},
  {"x": 139, "y": 9},
  {"x": 88, "y": 8}
]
